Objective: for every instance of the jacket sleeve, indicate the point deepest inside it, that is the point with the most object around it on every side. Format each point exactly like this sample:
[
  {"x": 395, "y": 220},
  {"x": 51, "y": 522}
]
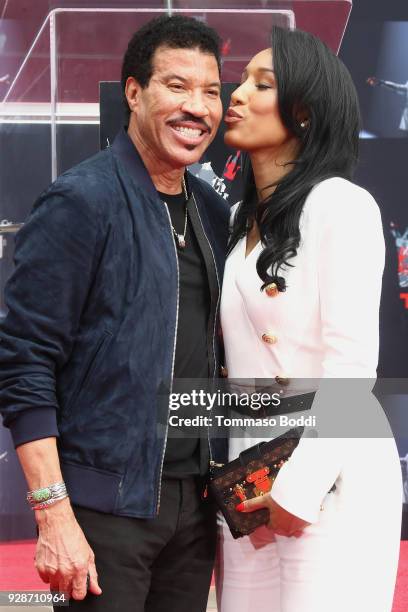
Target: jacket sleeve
[
  {"x": 55, "y": 258},
  {"x": 350, "y": 260},
  {"x": 398, "y": 87}
]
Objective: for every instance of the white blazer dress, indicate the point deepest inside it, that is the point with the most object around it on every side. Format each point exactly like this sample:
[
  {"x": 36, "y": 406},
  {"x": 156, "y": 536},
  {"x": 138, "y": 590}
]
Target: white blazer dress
[{"x": 325, "y": 326}]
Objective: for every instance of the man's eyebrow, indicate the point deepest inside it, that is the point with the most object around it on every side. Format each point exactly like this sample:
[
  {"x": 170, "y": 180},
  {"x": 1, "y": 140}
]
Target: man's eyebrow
[
  {"x": 169, "y": 77},
  {"x": 214, "y": 84}
]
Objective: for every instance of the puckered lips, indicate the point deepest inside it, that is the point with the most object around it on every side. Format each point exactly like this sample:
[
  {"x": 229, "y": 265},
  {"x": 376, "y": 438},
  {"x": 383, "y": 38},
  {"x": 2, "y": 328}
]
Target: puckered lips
[
  {"x": 232, "y": 116},
  {"x": 189, "y": 132}
]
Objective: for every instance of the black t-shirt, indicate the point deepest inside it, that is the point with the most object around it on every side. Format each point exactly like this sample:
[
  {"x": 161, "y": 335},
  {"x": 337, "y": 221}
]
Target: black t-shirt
[{"x": 182, "y": 457}]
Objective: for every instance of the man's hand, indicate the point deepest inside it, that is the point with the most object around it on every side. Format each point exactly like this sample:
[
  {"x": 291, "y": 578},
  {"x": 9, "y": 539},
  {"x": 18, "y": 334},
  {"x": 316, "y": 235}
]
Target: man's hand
[
  {"x": 63, "y": 556},
  {"x": 281, "y": 521},
  {"x": 373, "y": 81}
]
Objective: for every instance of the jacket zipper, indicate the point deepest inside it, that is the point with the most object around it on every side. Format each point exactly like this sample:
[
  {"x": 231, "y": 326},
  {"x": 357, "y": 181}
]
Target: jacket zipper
[
  {"x": 212, "y": 463},
  {"x": 218, "y": 284},
  {"x": 173, "y": 361}
]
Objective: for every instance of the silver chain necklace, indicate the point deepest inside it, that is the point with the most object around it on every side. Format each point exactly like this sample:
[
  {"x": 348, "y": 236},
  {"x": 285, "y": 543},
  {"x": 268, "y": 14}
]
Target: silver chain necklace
[{"x": 181, "y": 238}]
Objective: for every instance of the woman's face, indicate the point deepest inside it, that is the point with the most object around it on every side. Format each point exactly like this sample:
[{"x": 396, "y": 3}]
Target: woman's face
[{"x": 253, "y": 120}]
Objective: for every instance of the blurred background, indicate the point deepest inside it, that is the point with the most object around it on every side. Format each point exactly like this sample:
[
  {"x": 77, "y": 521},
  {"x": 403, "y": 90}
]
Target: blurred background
[{"x": 60, "y": 103}]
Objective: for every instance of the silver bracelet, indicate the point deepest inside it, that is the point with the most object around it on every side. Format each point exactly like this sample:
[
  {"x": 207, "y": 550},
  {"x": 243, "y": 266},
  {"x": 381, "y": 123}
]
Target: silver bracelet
[{"x": 47, "y": 496}]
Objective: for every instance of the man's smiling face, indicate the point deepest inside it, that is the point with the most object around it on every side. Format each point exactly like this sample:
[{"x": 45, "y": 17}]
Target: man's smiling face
[{"x": 177, "y": 115}]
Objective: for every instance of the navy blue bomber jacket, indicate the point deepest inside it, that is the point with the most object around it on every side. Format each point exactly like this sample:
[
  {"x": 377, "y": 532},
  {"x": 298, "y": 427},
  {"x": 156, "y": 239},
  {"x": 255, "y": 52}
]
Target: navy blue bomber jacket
[{"x": 90, "y": 333}]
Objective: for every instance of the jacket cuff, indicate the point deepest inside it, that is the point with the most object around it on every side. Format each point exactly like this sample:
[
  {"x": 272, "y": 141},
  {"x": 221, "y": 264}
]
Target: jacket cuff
[
  {"x": 34, "y": 424},
  {"x": 296, "y": 494},
  {"x": 309, "y": 511}
]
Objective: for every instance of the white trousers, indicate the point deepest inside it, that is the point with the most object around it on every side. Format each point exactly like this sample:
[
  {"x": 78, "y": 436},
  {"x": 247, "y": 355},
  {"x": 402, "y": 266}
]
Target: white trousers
[{"x": 339, "y": 564}]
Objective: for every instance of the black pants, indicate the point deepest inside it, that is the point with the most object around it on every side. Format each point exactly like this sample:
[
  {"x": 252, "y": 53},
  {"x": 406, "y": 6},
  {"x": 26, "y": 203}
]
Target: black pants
[{"x": 158, "y": 565}]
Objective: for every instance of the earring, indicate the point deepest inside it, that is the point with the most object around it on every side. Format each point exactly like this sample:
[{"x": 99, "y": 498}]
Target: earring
[{"x": 304, "y": 124}]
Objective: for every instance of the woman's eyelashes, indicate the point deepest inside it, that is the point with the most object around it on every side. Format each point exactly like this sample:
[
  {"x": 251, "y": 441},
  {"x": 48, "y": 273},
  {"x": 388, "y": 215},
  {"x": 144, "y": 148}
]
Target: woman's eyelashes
[{"x": 258, "y": 85}]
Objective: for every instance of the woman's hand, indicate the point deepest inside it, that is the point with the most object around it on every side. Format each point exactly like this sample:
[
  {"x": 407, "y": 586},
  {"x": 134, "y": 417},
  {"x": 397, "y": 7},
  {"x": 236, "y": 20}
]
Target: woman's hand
[{"x": 280, "y": 520}]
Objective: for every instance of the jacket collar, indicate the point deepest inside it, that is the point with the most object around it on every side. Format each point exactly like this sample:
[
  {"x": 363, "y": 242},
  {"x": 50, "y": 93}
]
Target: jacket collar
[
  {"x": 129, "y": 156},
  {"x": 125, "y": 150}
]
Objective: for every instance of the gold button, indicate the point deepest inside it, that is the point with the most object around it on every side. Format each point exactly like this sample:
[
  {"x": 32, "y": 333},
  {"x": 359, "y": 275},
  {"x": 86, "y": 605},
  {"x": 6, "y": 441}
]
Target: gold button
[
  {"x": 282, "y": 380},
  {"x": 271, "y": 290},
  {"x": 269, "y": 338},
  {"x": 224, "y": 372}
]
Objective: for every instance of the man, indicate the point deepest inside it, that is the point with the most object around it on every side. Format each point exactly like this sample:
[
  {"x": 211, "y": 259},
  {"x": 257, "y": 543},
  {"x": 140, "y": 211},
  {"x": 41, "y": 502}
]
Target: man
[
  {"x": 115, "y": 294},
  {"x": 401, "y": 89}
]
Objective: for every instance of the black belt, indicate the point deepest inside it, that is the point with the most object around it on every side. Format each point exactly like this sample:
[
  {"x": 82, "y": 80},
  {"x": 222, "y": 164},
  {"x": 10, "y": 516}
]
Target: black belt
[{"x": 287, "y": 405}]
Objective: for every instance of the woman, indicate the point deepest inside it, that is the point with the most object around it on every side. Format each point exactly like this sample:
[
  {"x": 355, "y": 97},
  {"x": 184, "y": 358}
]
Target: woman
[{"x": 300, "y": 300}]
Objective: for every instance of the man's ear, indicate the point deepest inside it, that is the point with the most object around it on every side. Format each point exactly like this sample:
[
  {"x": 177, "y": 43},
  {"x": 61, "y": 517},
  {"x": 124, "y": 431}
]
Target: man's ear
[{"x": 132, "y": 92}]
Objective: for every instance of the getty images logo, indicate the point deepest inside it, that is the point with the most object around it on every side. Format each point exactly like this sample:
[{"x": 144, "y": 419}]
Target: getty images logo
[{"x": 401, "y": 242}]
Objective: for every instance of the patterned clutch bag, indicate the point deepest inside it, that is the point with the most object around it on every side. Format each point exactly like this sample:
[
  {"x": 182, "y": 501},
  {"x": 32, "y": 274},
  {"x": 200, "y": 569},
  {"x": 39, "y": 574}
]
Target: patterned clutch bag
[{"x": 251, "y": 475}]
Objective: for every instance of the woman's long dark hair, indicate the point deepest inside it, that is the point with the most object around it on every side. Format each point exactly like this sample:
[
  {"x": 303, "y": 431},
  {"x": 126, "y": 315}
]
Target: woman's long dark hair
[{"x": 311, "y": 82}]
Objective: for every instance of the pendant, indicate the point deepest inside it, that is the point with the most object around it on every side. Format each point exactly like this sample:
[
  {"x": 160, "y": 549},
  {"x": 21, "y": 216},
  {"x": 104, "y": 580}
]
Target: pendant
[
  {"x": 181, "y": 241},
  {"x": 271, "y": 290}
]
